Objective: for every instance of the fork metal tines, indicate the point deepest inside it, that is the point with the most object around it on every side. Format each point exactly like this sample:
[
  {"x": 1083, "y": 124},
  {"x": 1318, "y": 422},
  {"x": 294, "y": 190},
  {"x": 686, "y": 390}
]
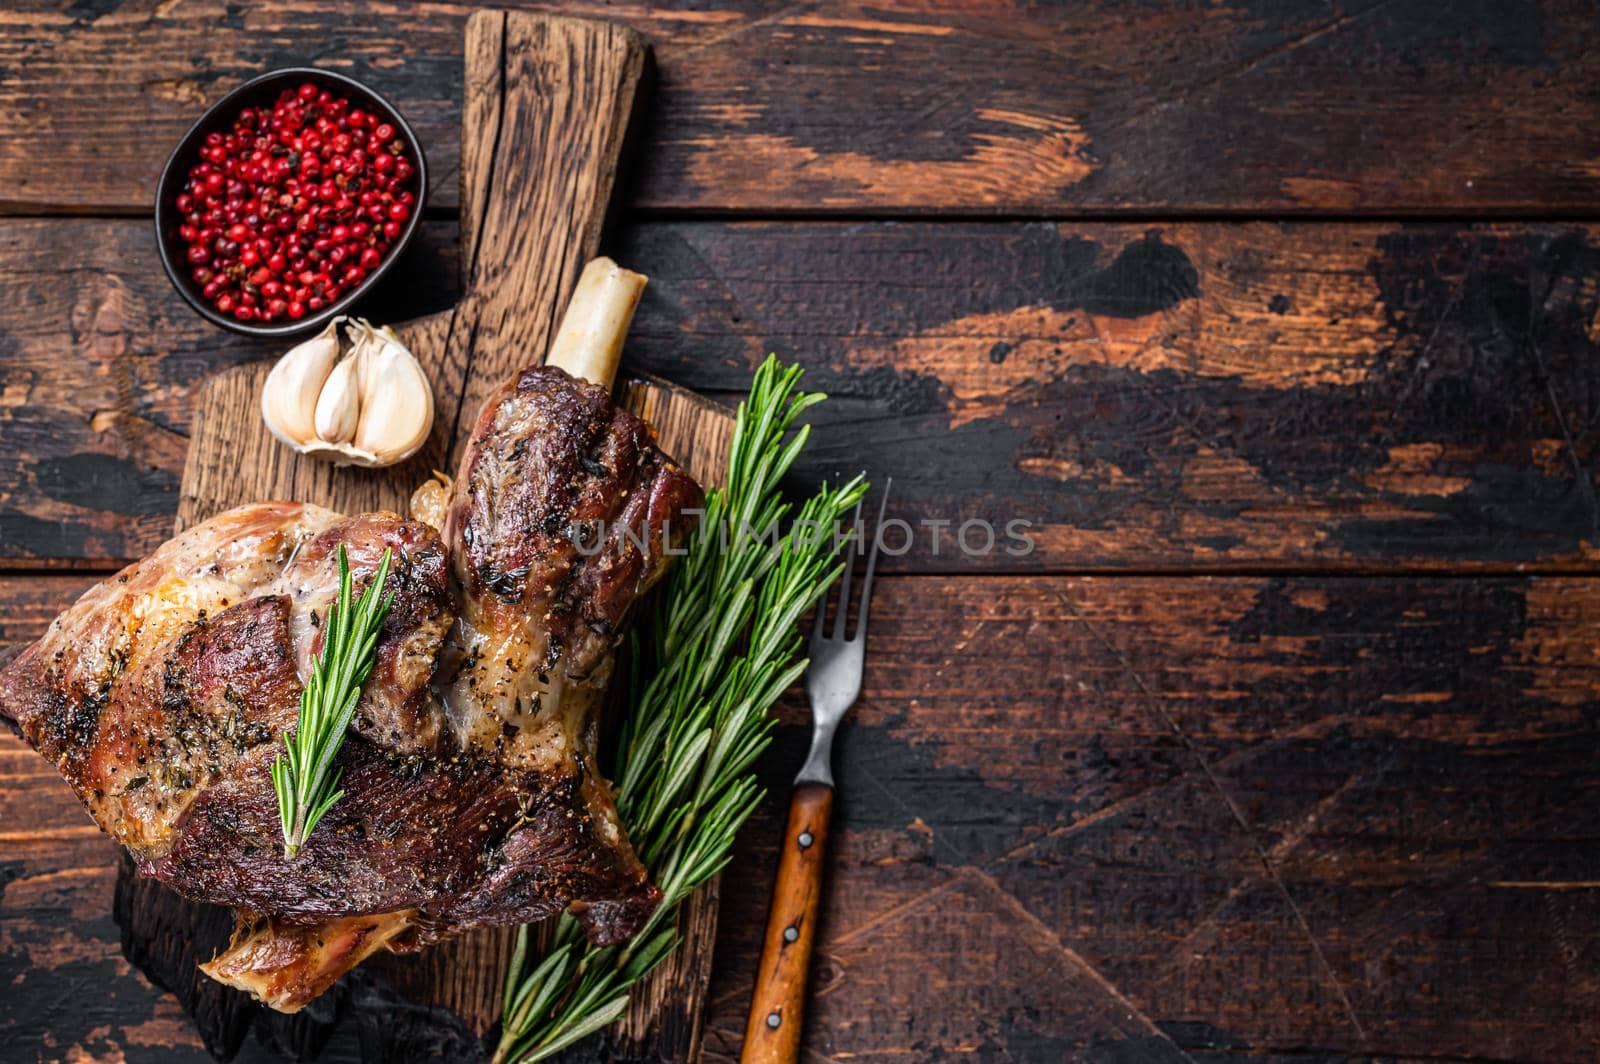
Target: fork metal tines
[{"x": 833, "y": 679}]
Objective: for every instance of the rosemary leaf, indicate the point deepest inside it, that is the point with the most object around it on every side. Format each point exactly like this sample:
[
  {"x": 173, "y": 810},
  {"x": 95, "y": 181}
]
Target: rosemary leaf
[{"x": 304, "y": 776}]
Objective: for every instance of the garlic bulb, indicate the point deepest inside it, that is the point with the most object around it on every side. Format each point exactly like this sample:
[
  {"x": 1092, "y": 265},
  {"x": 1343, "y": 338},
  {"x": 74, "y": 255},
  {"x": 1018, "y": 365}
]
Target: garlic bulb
[{"x": 372, "y": 407}]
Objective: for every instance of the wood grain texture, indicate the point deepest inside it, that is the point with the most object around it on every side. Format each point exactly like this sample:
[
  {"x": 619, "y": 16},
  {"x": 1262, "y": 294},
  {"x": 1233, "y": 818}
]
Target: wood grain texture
[
  {"x": 777, "y": 1007},
  {"x": 1212, "y": 395},
  {"x": 1102, "y": 817},
  {"x": 1246, "y": 819},
  {"x": 1235, "y": 818},
  {"x": 976, "y": 106}
]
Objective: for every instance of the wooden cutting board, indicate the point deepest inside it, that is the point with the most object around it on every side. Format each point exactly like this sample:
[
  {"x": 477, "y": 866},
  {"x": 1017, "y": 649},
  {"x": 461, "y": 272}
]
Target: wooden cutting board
[{"x": 547, "y": 105}]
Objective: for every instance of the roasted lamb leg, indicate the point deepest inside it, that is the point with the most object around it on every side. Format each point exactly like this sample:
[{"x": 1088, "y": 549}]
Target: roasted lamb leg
[{"x": 472, "y": 793}]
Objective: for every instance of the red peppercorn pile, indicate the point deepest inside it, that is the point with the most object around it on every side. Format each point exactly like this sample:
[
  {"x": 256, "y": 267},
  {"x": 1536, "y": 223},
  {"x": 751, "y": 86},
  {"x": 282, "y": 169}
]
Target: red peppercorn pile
[{"x": 294, "y": 206}]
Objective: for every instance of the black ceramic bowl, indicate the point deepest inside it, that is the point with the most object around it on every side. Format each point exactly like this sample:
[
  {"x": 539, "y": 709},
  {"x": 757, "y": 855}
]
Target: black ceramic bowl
[{"x": 257, "y": 92}]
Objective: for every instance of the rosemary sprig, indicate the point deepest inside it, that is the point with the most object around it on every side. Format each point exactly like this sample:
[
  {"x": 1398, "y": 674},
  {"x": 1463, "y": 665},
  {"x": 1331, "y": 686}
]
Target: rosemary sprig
[
  {"x": 304, "y": 775},
  {"x": 721, "y": 645}
]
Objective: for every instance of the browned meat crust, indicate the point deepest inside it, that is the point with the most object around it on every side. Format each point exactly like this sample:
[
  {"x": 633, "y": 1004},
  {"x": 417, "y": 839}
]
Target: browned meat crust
[
  {"x": 472, "y": 792},
  {"x": 564, "y": 507}
]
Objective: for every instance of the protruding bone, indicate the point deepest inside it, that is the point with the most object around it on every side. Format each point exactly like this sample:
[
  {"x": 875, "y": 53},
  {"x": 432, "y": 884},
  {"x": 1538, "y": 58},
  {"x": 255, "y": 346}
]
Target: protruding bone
[
  {"x": 589, "y": 343},
  {"x": 285, "y": 966}
]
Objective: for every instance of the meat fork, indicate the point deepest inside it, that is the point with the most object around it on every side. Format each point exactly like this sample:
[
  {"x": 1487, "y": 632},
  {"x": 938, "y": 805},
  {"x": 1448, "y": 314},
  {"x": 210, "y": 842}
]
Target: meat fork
[{"x": 833, "y": 682}]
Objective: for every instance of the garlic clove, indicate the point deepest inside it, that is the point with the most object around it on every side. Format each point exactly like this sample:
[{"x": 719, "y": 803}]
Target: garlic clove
[
  {"x": 339, "y": 403},
  {"x": 396, "y": 400},
  {"x": 363, "y": 338},
  {"x": 365, "y": 341},
  {"x": 289, "y": 397}
]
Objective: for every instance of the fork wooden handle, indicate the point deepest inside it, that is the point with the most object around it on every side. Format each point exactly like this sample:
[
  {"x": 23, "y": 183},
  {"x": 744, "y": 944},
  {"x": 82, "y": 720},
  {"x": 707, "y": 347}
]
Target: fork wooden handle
[{"x": 772, "y": 1034}]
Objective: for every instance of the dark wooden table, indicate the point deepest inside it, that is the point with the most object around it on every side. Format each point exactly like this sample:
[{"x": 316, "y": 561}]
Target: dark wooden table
[{"x": 1279, "y": 321}]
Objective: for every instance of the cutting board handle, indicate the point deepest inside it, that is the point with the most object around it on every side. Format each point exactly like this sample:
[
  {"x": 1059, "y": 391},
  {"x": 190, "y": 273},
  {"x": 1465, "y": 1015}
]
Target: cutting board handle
[{"x": 546, "y": 106}]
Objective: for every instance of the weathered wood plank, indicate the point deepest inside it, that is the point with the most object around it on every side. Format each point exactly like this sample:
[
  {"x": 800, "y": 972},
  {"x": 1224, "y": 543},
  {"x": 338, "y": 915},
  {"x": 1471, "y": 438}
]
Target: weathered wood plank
[
  {"x": 100, "y": 367},
  {"x": 1235, "y": 817},
  {"x": 1362, "y": 397},
  {"x": 1213, "y": 395},
  {"x": 969, "y": 107}
]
